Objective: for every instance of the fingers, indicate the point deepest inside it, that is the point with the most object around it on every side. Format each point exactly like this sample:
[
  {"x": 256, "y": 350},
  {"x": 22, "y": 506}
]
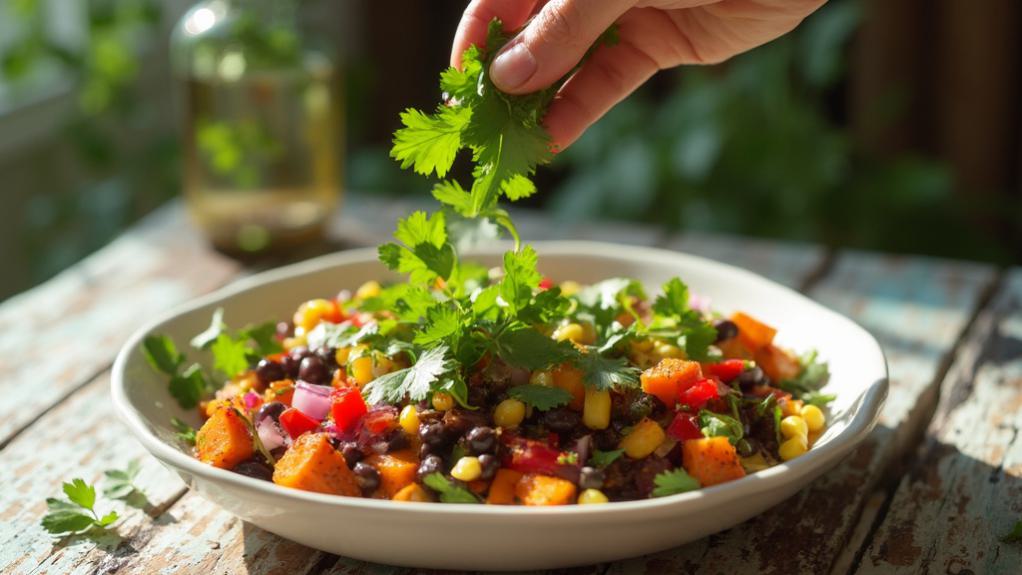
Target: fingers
[
  {"x": 553, "y": 43},
  {"x": 610, "y": 74},
  {"x": 477, "y": 17}
]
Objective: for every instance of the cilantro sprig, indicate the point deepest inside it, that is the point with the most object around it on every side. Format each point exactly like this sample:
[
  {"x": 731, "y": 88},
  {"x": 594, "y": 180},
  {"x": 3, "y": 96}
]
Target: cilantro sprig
[
  {"x": 76, "y": 513},
  {"x": 449, "y": 491},
  {"x": 541, "y": 397},
  {"x": 673, "y": 482}
]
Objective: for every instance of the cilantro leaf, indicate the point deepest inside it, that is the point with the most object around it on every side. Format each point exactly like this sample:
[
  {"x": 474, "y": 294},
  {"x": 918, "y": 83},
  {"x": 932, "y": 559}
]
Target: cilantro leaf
[
  {"x": 230, "y": 355},
  {"x": 189, "y": 387},
  {"x": 720, "y": 425},
  {"x": 451, "y": 194},
  {"x": 425, "y": 253},
  {"x": 520, "y": 278},
  {"x": 673, "y": 300},
  {"x": 813, "y": 376},
  {"x": 216, "y": 327},
  {"x": 697, "y": 336},
  {"x": 77, "y": 513},
  {"x": 604, "y": 458},
  {"x": 66, "y": 522},
  {"x": 265, "y": 337},
  {"x": 429, "y": 143},
  {"x": 120, "y": 482},
  {"x": 162, "y": 354},
  {"x": 414, "y": 382},
  {"x": 541, "y": 397},
  {"x": 185, "y": 432},
  {"x": 673, "y": 482},
  {"x": 526, "y": 347},
  {"x": 448, "y": 490},
  {"x": 336, "y": 335},
  {"x": 441, "y": 322},
  {"x": 818, "y": 399},
  {"x": 80, "y": 493},
  {"x": 605, "y": 373}
]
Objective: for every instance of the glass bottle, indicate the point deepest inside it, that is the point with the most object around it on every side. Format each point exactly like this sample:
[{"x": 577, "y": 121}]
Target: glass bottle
[{"x": 261, "y": 122}]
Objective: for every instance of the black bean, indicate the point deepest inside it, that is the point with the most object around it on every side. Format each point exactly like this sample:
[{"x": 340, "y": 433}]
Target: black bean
[
  {"x": 313, "y": 370},
  {"x": 269, "y": 371},
  {"x": 293, "y": 360},
  {"x": 352, "y": 454},
  {"x": 430, "y": 464},
  {"x": 641, "y": 407},
  {"x": 478, "y": 395},
  {"x": 591, "y": 478},
  {"x": 425, "y": 450},
  {"x": 459, "y": 421},
  {"x": 751, "y": 378},
  {"x": 367, "y": 476},
  {"x": 490, "y": 465},
  {"x": 397, "y": 440},
  {"x": 254, "y": 468},
  {"x": 272, "y": 410},
  {"x": 433, "y": 434},
  {"x": 726, "y": 329},
  {"x": 481, "y": 439},
  {"x": 561, "y": 419},
  {"x": 606, "y": 439}
]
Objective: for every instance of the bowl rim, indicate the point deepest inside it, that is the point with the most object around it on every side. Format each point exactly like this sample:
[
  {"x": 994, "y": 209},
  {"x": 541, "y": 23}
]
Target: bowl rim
[{"x": 815, "y": 460}]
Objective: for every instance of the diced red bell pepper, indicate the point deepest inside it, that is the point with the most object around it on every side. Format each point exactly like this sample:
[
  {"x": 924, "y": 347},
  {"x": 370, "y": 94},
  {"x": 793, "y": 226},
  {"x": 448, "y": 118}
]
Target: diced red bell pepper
[
  {"x": 531, "y": 456},
  {"x": 347, "y": 407},
  {"x": 335, "y": 313},
  {"x": 701, "y": 392},
  {"x": 546, "y": 283},
  {"x": 296, "y": 423},
  {"x": 380, "y": 419},
  {"x": 726, "y": 370},
  {"x": 685, "y": 426}
]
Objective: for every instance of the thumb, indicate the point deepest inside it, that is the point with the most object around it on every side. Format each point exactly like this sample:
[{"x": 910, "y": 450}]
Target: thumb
[{"x": 552, "y": 43}]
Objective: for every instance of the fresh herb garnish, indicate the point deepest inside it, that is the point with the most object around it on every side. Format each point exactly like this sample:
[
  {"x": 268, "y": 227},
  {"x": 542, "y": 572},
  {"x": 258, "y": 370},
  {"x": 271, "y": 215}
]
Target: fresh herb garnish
[
  {"x": 541, "y": 397},
  {"x": 189, "y": 386},
  {"x": 185, "y": 432},
  {"x": 77, "y": 513},
  {"x": 814, "y": 375},
  {"x": 720, "y": 425},
  {"x": 604, "y": 458},
  {"x": 449, "y": 491},
  {"x": 120, "y": 482},
  {"x": 818, "y": 399},
  {"x": 162, "y": 354},
  {"x": 415, "y": 382},
  {"x": 673, "y": 481}
]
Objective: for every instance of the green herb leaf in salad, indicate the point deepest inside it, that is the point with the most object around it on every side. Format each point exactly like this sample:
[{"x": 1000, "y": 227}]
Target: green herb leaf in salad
[
  {"x": 604, "y": 373},
  {"x": 76, "y": 513},
  {"x": 814, "y": 375},
  {"x": 720, "y": 425},
  {"x": 189, "y": 387},
  {"x": 162, "y": 354},
  {"x": 185, "y": 432},
  {"x": 449, "y": 492},
  {"x": 672, "y": 482},
  {"x": 541, "y": 397},
  {"x": 211, "y": 333},
  {"x": 604, "y": 458},
  {"x": 415, "y": 382}
]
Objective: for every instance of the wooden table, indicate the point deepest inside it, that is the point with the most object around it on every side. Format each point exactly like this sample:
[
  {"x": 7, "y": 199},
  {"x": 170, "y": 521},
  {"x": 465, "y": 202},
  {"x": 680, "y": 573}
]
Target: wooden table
[{"x": 933, "y": 489}]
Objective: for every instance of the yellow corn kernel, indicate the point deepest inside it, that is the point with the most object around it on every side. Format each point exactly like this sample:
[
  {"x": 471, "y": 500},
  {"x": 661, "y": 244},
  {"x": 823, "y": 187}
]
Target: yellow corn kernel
[
  {"x": 443, "y": 401},
  {"x": 544, "y": 378},
  {"x": 570, "y": 288},
  {"x": 642, "y": 345},
  {"x": 509, "y": 413},
  {"x": 409, "y": 420},
  {"x": 342, "y": 355},
  {"x": 592, "y": 496},
  {"x": 467, "y": 469},
  {"x": 815, "y": 420},
  {"x": 569, "y": 332},
  {"x": 793, "y": 447},
  {"x": 292, "y": 342},
  {"x": 664, "y": 349},
  {"x": 367, "y": 290},
  {"x": 362, "y": 370},
  {"x": 794, "y": 426},
  {"x": 643, "y": 439},
  {"x": 596, "y": 409},
  {"x": 309, "y": 314}
]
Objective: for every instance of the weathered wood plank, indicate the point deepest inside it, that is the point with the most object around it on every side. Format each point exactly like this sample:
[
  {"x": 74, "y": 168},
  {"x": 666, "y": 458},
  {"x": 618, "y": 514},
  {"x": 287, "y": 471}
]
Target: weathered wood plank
[
  {"x": 56, "y": 337},
  {"x": 79, "y": 438},
  {"x": 964, "y": 492},
  {"x": 916, "y": 308}
]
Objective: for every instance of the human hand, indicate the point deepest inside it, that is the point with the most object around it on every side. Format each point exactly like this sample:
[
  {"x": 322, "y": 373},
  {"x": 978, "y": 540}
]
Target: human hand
[{"x": 654, "y": 35}]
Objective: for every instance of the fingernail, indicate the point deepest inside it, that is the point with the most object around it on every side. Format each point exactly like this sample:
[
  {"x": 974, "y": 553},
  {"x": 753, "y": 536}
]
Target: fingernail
[{"x": 512, "y": 67}]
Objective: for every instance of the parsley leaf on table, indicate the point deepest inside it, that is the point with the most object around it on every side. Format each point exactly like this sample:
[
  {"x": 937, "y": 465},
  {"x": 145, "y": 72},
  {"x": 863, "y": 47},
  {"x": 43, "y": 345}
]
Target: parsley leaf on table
[
  {"x": 604, "y": 458},
  {"x": 162, "y": 354},
  {"x": 449, "y": 491},
  {"x": 541, "y": 397},
  {"x": 76, "y": 514},
  {"x": 674, "y": 481}
]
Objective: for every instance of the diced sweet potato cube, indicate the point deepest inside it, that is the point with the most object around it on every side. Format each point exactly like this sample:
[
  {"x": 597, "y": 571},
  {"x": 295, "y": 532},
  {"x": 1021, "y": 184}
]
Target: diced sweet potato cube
[
  {"x": 534, "y": 489},
  {"x": 412, "y": 492},
  {"x": 753, "y": 333},
  {"x": 502, "y": 488},
  {"x": 777, "y": 363},
  {"x": 711, "y": 460},
  {"x": 313, "y": 464},
  {"x": 569, "y": 378},
  {"x": 224, "y": 440},
  {"x": 734, "y": 349},
  {"x": 397, "y": 471},
  {"x": 667, "y": 378}
]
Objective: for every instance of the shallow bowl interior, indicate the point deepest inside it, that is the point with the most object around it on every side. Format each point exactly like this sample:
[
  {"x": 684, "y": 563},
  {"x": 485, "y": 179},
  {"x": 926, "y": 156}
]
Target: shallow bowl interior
[{"x": 487, "y": 537}]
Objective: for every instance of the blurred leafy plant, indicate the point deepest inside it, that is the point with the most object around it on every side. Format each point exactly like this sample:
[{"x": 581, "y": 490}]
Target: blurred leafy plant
[
  {"x": 748, "y": 147},
  {"x": 237, "y": 151}
]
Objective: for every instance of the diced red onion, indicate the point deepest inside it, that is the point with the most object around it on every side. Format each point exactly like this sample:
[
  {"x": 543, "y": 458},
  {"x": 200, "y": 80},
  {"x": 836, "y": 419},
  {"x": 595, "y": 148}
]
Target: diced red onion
[
  {"x": 252, "y": 400},
  {"x": 271, "y": 434},
  {"x": 699, "y": 302},
  {"x": 312, "y": 400}
]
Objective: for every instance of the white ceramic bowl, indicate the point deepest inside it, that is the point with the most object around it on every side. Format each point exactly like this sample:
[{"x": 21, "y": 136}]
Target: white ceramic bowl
[{"x": 505, "y": 538}]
